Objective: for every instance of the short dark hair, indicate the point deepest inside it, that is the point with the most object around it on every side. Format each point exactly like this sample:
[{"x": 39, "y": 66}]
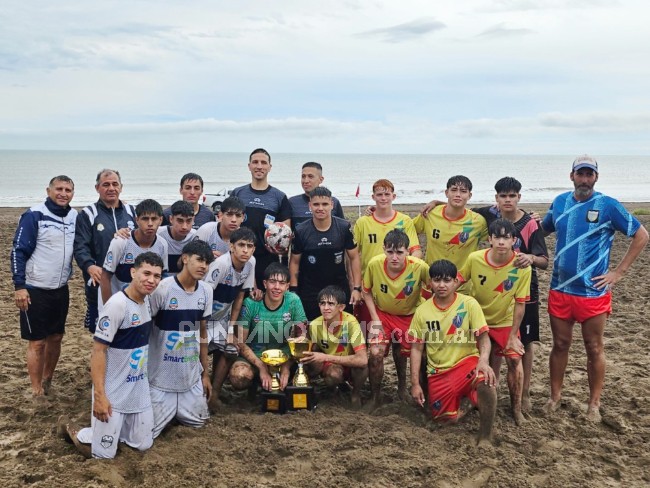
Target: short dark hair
[
  {"x": 64, "y": 178},
  {"x": 243, "y": 234},
  {"x": 502, "y": 228},
  {"x": 275, "y": 269},
  {"x": 395, "y": 239},
  {"x": 107, "y": 171},
  {"x": 441, "y": 269},
  {"x": 190, "y": 177},
  {"x": 334, "y": 292},
  {"x": 148, "y": 206},
  {"x": 233, "y": 204},
  {"x": 199, "y": 248},
  {"x": 150, "y": 258},
  {"x": 459, "y": 180},
  {"x": 181, "y": 207},
  {"x": 320, "y": 191},
  {"x": 507, "y": 183},
  {"x": 259, "y": 150},
  {"x": 313, "y": 164}
]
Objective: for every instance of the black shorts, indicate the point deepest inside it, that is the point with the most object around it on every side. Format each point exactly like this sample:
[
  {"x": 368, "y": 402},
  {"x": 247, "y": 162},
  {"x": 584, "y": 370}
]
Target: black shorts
[
  {"x": 529, "y": 328},
  {"x": 46, "y": 314}
]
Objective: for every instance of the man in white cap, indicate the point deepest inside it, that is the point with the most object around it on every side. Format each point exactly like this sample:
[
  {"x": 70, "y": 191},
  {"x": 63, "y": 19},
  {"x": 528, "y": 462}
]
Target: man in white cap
[{"x": 585, "y": 222}]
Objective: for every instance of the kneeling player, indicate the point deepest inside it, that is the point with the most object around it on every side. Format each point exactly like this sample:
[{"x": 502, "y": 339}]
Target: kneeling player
[
  {"x": 118, "y": 367},
  {"x": 339, "y": 348},
  {"x": 178, "y": 350},
  {"x": 450, "y": 325}
]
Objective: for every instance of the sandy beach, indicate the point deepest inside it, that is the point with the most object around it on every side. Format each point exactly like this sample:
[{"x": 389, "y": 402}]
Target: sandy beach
[{"x": 334, "y": 445}]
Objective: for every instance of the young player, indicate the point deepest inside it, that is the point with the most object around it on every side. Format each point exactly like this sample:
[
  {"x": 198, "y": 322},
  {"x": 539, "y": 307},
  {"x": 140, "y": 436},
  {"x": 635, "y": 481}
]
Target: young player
[
  {"x": 370, "y": 230},
  {"x": 392, "y": 290},
  {"x": 311, "y": 178},
  {"x": 265, "y": 205},
  {"x": 320, "y": 246},
  {"x": 217, "y": 234},
  {"x": 230, "y": 276},
  {"x": 502, "y": 289},
  {"x": 41, "y": 265},
  {"x": 122, "y": 252},
  {"x": 450, "y": 326},
  {"x": 453, "y": 231},
  {"x": 121, "y": 408},
  {"x": 191, "y": 190},
  {"x": 178, "y": 349},
  {"x": 339, "y": 351},
  {"x": 266, "y": 325},
  {"x": 178, "y": 233}
]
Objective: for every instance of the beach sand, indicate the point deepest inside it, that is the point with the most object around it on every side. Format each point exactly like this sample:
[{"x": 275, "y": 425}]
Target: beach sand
[{"x": 335, "y": 446}]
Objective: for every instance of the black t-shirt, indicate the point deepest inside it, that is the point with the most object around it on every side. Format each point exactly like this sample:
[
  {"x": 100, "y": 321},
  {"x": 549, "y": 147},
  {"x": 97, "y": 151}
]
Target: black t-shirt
[
  {"x": 263, "y": 208},
  {"x": 322, "y": 256},
  {"x": 203, "y": 216},
  {"x": 300, "y": 209}
]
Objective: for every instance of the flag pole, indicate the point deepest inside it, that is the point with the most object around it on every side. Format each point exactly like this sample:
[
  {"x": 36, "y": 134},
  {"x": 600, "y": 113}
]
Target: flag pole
[{"x": 357, "y": 197}]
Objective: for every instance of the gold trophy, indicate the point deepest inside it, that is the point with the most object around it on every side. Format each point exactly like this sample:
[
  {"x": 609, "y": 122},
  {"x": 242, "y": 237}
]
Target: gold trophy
[
  {"x": 275, "y": 400},
  {"x": 301, "y": 395}
]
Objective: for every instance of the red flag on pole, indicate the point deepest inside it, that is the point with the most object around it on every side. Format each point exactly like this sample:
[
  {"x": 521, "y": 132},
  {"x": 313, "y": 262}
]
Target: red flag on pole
[{"x": 358, "y": 188}]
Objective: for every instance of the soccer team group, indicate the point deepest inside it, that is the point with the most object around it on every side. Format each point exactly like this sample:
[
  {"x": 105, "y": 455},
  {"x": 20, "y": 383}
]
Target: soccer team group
[{"x": 165, "y": 289}]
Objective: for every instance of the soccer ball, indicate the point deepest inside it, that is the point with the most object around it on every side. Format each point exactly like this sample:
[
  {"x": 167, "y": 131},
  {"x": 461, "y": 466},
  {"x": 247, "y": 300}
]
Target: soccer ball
[{"x": 278, "y": 237}]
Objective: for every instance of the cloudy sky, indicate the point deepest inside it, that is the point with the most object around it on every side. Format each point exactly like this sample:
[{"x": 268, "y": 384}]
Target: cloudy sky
[{"x": 365, "y": 76}]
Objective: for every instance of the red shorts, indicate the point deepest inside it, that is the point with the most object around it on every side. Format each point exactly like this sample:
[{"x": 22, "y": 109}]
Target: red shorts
[
  {"x": 446, "y": 389},
  {"x": 362, "y": 315},
  {"x": 499, "y": 337},
  {"x": 574, "y": 308},
  {"x": 394, "y": 331}
]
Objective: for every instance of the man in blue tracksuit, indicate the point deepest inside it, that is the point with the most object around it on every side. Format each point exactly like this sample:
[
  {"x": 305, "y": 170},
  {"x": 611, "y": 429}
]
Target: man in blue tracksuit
[
  {"x": 97, "y": 224},
  {"x": 41, "y": 265}
]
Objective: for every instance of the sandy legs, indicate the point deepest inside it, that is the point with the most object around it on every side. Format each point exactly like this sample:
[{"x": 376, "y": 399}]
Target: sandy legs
[
  {"x": 376, "y": 355},
  {"x": 515, "y": 382},
  {"x": 42, "y": 358}
]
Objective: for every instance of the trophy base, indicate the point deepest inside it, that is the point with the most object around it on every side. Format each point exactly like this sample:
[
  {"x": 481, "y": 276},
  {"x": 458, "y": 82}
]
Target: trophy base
[
  {"x": 274, "y": 402},
  {"x": 300, "y": 397}
]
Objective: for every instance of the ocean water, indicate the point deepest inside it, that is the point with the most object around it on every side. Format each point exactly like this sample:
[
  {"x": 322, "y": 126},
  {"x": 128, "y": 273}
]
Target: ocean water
[{"x": 417, "y": 178}]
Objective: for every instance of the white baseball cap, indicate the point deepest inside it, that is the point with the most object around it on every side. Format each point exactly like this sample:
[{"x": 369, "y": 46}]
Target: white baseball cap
[{"x": 585, "y": 161}]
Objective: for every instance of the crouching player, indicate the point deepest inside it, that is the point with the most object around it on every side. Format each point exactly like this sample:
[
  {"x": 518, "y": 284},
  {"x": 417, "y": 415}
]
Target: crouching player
[
  {"x": 339, "y": 351},
  {"x": 121, "y": 404},
  {"x": 450, "y": 326},
  {"x": 178, "y": 350}
]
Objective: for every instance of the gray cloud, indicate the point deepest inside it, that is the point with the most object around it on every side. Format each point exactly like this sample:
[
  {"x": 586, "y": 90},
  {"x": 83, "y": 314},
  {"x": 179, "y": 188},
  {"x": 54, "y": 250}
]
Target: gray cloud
[
  {"x": 500, "y": 31},
  {"x": 404, "y": 32}
]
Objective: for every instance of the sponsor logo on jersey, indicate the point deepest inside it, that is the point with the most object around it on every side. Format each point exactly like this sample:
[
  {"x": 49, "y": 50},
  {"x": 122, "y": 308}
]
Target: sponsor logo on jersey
[
  {"x": 173, "y": 341},
  {"x": 104, "y": 323},
  {"x": 228, "y": 280},
  {"x": 173, "y": 303},
  {"x": 106, "y": 441},
  {"x": 201, "y": 303},
  {"x": 109, "y": 257},
  {"x": 129, "y": 259},
  {"x": 338, "y": 258},
  {"x": 135, "y": 319},
  {"x": 311, "y": 259},
  {"x": 138, "y": 359},
  {"x": 216, "y": 306},
  {"x": 286, "y": 316}
]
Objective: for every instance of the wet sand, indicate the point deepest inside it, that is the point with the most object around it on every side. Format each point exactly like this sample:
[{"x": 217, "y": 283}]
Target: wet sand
[{"x": 334, "y": 445}]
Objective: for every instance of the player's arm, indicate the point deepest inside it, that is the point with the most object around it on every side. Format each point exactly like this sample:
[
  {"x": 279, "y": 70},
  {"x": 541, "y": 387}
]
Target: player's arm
[
  {"x": 23, "y": 247},
  {"x": 102, "y": 408},
  {"x": 105, "y": 285},
  {"x": 203, "y": 357},
  {"x": 358, "y": 359},
  {"x": 233, "y": 329},
  {"x": 430, "y": 206},
  {"x": 417, "y": 348},
  {"x": 355, "y": 271},
  {"x": 294, "y": 269},
  {"x": 639, "y": 241},
  {"x": 248, "y": 354},
  {"x": 483, "y": 366},
  {"x": 517, "y": 316}
]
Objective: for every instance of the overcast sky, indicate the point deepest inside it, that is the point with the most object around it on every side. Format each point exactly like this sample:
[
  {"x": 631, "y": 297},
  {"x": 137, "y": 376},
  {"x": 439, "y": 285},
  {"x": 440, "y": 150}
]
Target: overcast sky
[{"x": 376, "y": 76}]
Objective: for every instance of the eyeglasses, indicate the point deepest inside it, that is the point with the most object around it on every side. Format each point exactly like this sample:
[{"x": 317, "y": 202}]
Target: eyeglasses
[
  {"x": 276, "y": 282},
  {"x": 324, "y": 303}
]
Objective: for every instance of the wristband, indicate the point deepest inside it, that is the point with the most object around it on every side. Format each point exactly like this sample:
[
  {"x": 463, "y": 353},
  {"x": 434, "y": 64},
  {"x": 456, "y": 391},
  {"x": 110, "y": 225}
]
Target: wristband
[{"x": 356, "y": 288}]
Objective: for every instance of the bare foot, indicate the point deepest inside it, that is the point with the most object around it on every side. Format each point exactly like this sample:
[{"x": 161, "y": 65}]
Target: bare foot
[
  {"x": 519, "y": 417},
  {"x": 484, "y": 443},
  {"x": 372, "y": 405},
  {"x": 403, "y": 395},
  {"x": 214, "y": 405},
  {"x": 46, "y": 384},
  {"x": 551, "y": 406},
  {"x": 40, "y": 401},
  {"x": 593, "y": 414},
  {"x": 355, "y": 401},
  {"x": 526, "y": 406},
  {"x": 69, "y": 433}
]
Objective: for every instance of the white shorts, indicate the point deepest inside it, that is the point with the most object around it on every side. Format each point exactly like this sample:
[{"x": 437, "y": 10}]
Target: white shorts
[
  {"x": 135, "y": 429},
  {"x": 217, "y": 334},
  {"x": 189, "y": 407}
]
